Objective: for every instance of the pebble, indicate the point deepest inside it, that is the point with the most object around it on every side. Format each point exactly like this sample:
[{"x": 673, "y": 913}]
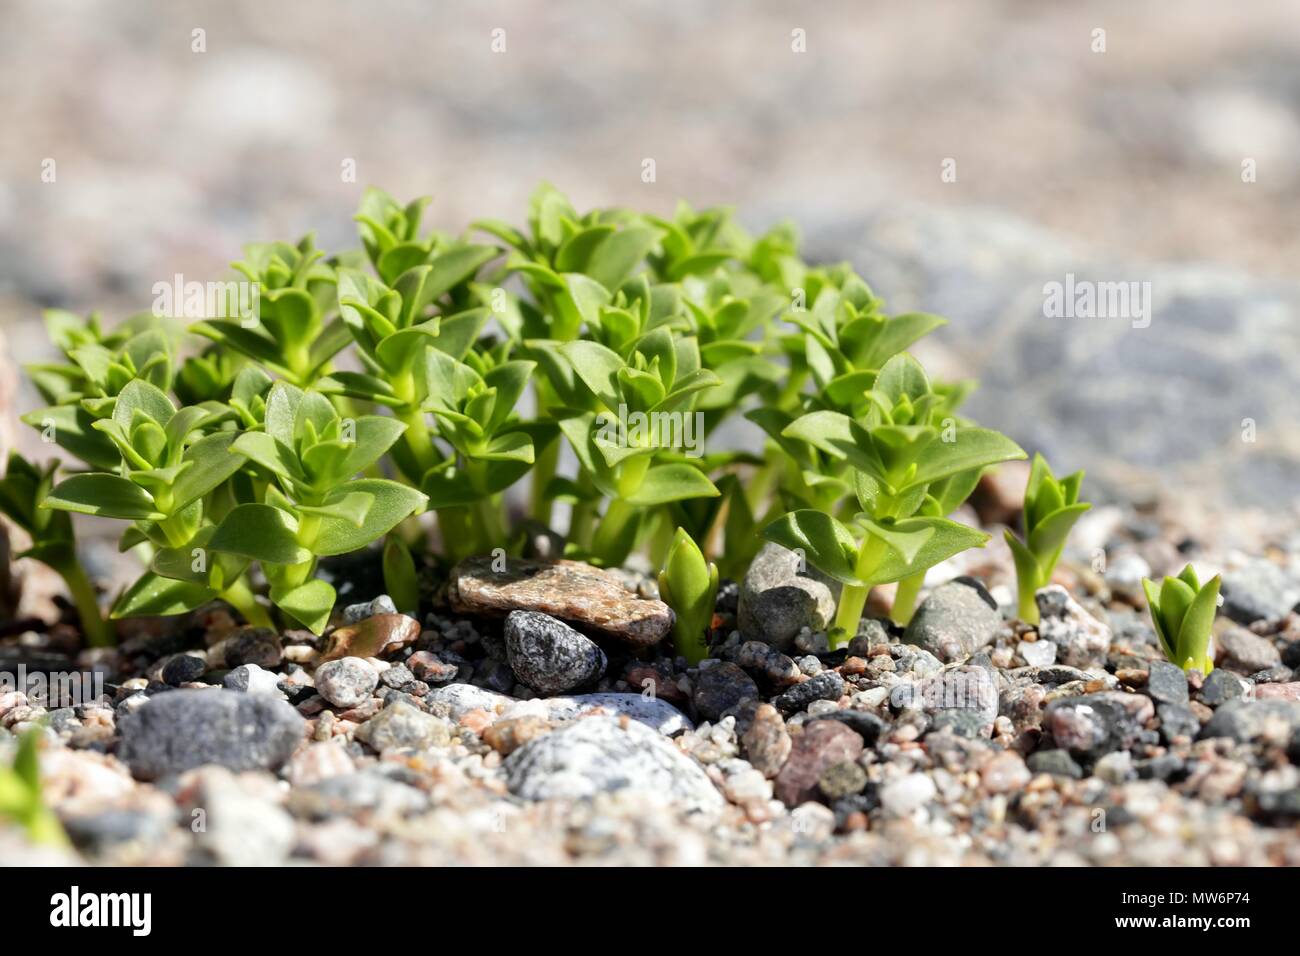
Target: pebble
[
  {"x": 183, "y": 729},
  {"x": 866, "y": 725},
  {"x": 346, "y": 682},
  {"x": 1005, "y": 773},
  {"x": 605, "y": 755},
  {"x": 462, "y": 698},
  {"x": 1177, "y": 720},
  {"x": 1037, "y": 653},
  {"x": 658, "y": 715},
  {"x": 1058, "y": 763},
  {"x": 242, "y": 829},
  {"x": 251, "y": 679},
  {"x": 954, "y": 622},
  {"x": 1089, "y": 726},
  {"x": 374, "y": 636},
  {"x": 430, "y": 668},
  {"x": 821, "y": 744},
  {"x": 842, "y": 779},
  {"x": 253, "y": 645},
  {"x": 781, "y": 595},
  {"x": 1244, "y": 652},
  {"x": 1167, "y": 683},
  {"x": 1220, "y": 687},
  {"x": 905, "y": 796},
  {"x": 778, "y": 669},
  {"x": 549, "y": 655},
  {"x": 507, "y": 736},
  {"x": 766, "y": 742},
  {"x": 1258, "y": 591},
  {"x": 183, "y": 668},
  {"x": 1081, "y": 640},
  {"x": 1247, "y": 720},
  {"x": 356, "y": 613},
  {"x": 319, "y": 761},
  {"x": 828, "y": 685},
  {"x": 720, "y": 687},
  {"x": 569, "y": 590},
  {"x": 404, "y": 726}
]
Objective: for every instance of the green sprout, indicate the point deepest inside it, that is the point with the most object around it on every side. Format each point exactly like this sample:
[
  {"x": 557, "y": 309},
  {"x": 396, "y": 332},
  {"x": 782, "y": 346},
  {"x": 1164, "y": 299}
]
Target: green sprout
[
  {"x": 1052, "y": 506},
  {"x": 689, "y": 585},
  {"x": 1183, "y": 610},
  {"x": 20, "y": 795},
  {"x": 897, "y": 461}
]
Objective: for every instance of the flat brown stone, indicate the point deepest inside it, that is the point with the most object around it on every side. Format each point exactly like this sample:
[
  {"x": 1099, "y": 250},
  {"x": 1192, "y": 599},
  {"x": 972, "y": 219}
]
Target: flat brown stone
[
  {"x": 584, "y": 596},
  {"x": 375, "y": 636}
]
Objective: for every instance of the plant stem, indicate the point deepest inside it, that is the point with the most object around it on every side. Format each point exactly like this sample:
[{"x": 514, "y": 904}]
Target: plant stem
[
  {"x": 853, "y": 597},
  {"x": 905, "y": 597},
  {"x": 1027, "y": 588},
  {"x": 418, "y": 440},
  {"x": 240, "y": 596},
  {"x": 543, "y": 471},
  {"x": 614, "y": 537},
  {"x": 98, "y": 631}
]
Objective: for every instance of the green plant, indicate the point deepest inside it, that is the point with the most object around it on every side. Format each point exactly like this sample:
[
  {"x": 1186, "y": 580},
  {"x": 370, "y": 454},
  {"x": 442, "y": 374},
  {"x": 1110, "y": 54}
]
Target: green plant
[
  {"x": 689, "y": 585},
  {"x": 596, "y": 357},
  {"x": 22, "y": 489},
  {"x": 900, "y": 464},
  {"x": 1052, "y": 506},
  {"x": 20, "y": 794},
  {"x": 1183, "y": 610}
]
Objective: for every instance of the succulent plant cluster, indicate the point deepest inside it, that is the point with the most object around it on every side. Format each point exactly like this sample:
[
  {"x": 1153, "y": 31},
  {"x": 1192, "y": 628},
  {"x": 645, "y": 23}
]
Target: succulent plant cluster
[{"x": 437, "y": 390}]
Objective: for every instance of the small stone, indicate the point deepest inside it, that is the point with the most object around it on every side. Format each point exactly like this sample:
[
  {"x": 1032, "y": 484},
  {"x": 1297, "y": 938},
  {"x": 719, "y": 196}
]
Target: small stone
[
  {"x": 253, "y": 645},
  {"x": 431, "y": 668},
  {"x": 1090, "y": 726},
  {"x": 1037, "y": 653},
  {"x": 569, "y": 590},
  {"x": 1081, "y": 640},
  {"x": 346, "y": 682},
  {"x": 721, "y": 686},
  {"x": 1220, "y": 687},
  {"x": 658, "y": 680},
  {"x": 1287, "y": 691},
  {"x": 1244, "y": 652},
  {"x": 604, "y": 755},
  {"x": 375, "y": 636},
  {"x": 821, "y": 744},
  {"x": 1005, "y": 773},
  {"x": 356, "y": 613},
  {"x": 776, "y": 668},
  {"x": 177, "y": 731},
  {"x": 548, "y": 655},
  {"x": 867, "y": 725},
  {"x": 766, "y": 742},
  {"x": 403, "y": 726},
  {"x": 183, "y": 668},
  {"x": 1278, "y": 674},
  {"x": 242, "y": 829},
  {"x": 905, "y": 796},
  {"x": 1058, "y": 763},
  {"x": 1167, "y": 683},
  {"x": 320, "y": 761},
  {"x": 658, "y": 715},
  {"x": 462, "y": 698},
  {"x": 1246, "y": 720},
  {"x": 1177, "y": 720},
  {"x": 507, "y": 736},
  {"x": 954, "y": 622},
  {"x": 781, "y": 595},
  {"x": 828, "y": 685},
  {"x": 1258, "y": 591},
  {"x": 842, "y": 779},
  {"x": 1115, "y": 768},
  {"x": 251, "y": 679}
]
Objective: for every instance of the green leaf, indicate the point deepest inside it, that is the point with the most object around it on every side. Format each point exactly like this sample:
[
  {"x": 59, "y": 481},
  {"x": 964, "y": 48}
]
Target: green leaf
[
  {"x": 840, "y": 437},
  {"x": 73, "y": 428},
  {"x": 973, "y": 448},
  {"x": 1048, "y": 538},
  {"x": 1194, "y": 633},
  {"x": 614, "y": 259},
  {"x": 905, "y": 537},
  {"x": 139, "y": 395},
  {"x": 262, "y": 532},
  {"x": 949, "y": 538},
  {"x": 372, "y": 436},
  {"x": 272, "y": 454},
  {"x": 825, "y": 543},
  {"x": 105, "y": 495},
  {"x": 664, "y": 483},
  {"x": 211, "y": 460},
  {"x": 400, "y": 578},
  {"x": 154, "y": 595},
  {"x": 351, "y": 507},
  {"x": 598, "y": 367},
  {"x": 393, "y": 502},
  {"x": 309, "y": 604},
  {"x": 1157, "y": 619}
]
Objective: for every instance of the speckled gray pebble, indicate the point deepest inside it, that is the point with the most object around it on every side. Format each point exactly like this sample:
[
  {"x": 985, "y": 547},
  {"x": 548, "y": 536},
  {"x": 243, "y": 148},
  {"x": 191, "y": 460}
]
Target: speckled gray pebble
[{"x": 549, "y": 655}]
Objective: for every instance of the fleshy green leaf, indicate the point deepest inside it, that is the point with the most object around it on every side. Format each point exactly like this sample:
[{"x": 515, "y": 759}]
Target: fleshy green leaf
[
  {"x": 825, "y": 543},
  {"x": 105, "y": 495},
  {"x": 262, "y": 532}
]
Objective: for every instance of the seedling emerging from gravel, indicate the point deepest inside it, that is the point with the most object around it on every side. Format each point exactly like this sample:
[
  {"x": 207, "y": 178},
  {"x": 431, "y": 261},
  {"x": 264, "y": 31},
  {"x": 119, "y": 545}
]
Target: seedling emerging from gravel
[
  {"x": 20, "y": 795},
  {"x": 1183, "y": 611},
  {"x": 22, "y": 489},
  {"x": 898, "y": 461},
  {"x": 1052, "y": 506},
  {"x": 689, "y": 585}
]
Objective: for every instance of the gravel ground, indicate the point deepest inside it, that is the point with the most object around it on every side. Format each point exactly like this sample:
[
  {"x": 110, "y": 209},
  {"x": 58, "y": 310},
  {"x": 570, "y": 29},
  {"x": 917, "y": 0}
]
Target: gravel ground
[{"x": 967, "y": 738}]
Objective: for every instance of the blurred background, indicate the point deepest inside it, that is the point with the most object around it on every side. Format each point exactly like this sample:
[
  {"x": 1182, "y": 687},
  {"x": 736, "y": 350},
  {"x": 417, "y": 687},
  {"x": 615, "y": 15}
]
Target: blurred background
[{"x": 1112, "y": 156}]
